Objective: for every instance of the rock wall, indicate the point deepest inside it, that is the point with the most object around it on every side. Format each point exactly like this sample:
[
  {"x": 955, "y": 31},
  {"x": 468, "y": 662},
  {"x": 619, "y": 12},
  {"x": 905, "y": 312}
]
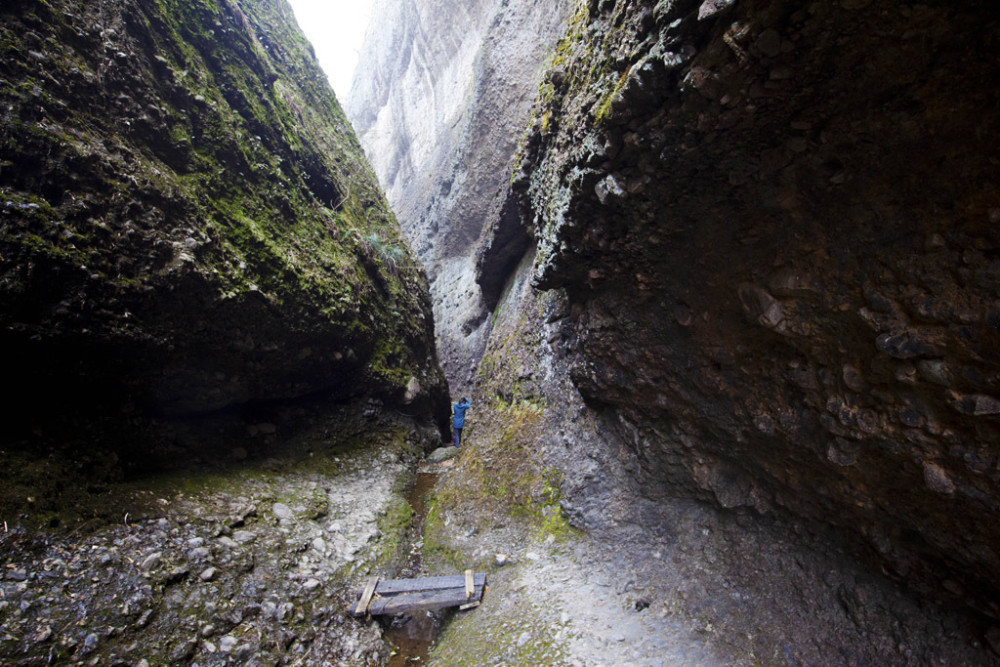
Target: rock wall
[
  {"x": 775, "y": 227},
  {"x": 440, "y": 100},
  {"x": 188, "y": 225}
]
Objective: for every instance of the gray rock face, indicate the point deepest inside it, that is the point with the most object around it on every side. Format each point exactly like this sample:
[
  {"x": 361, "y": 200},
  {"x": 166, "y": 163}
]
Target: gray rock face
[
  {"x": 780, "y": 264},
  {"x": 439, "y": 101}
]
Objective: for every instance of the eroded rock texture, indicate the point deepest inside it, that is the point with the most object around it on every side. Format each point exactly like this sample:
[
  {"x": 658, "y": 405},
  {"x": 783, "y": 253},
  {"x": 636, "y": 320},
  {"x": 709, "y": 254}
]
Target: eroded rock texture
[
  {"x": 440, "y": 100},
  {"x": 189, "y": 224},
  {"x": 776, "y": 228}
]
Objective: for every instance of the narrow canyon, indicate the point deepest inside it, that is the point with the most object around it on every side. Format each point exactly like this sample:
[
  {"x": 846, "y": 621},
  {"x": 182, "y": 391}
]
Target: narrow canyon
[{"x": 720, "y": 278}]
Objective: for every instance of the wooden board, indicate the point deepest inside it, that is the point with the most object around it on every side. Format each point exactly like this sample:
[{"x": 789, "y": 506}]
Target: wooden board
[
  {"x": 426, "y": 600},
  {"x": 366, "y": 597},
  {"x": 470, "y": 586},
  {"x": 402, "y": 596},
  {"x": 396, "y": 586}
]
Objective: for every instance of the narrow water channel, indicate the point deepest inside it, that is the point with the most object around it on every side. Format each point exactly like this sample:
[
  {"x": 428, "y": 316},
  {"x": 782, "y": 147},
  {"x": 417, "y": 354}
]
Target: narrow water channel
[{"x": 411, "y": 636}]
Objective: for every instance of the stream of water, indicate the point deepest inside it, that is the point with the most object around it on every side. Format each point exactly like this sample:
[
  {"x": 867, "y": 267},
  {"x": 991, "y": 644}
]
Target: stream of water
[{"x": 412, "y": 636}]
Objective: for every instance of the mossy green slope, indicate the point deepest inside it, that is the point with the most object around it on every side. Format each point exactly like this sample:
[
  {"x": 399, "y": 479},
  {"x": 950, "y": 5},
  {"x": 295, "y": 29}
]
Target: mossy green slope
[{"x": 187, "y": 221}]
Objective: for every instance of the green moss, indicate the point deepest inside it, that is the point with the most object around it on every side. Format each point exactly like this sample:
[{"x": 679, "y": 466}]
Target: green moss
[
  {"x": 604, "y": 108},
  {"x": 477, "y": 639},
  {"x": 392, "y": 548}
]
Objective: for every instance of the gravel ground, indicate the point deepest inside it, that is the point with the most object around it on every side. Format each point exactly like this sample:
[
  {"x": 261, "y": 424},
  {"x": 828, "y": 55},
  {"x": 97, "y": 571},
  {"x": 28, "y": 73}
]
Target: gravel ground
[{"x": 253, "y": 564}]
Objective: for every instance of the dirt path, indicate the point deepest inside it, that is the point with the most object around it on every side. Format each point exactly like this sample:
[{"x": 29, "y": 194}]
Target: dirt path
[{"x": 699, "y": 588}]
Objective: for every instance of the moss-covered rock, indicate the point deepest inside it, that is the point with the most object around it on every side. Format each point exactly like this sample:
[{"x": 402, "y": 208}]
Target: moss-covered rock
[{"x": 187, "y": 223}]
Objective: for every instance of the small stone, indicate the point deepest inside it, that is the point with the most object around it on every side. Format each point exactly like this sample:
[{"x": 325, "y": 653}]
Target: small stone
[
  {"x": 935, "y": 242},
  {"x": 523, "y": 639},
  {"x": 710, "y": 8},
  {"x": 769, "y": 43},
  {"x": 208, "y": 630},
  {"x": 208, "y": 574},
  {"x": 979, "y": 405},
  {"x": 903, "y": 345},
  {"x": 609, "y": 188},
  {"x": 283, "y": 511},
  {"x": 937, "y": 479},
  {"x": 311, "y": 585},
  {"x": 442, "y": 454},
  {"x": 90, "y": 643},
  {"x": 201, "y": 553},
  {"x": 43, "y": 635},
  {"x": 935, "y": 371},
  {"x": 853, "y": 378},
  {"x": 17, "y": 574},
  {"x": 228, "y": 643},
  {"x": 196, "y": 542},
  {"x": 151, "y": 561},
  {"x": 244, "y": 536},
  {"x": 532, "y": 556},
  {"x": 319, "y": 544},
  {"x": 911, "y": 417},
  {"x": 500, "y": 560},
  {"x": 228, "y": 542}
]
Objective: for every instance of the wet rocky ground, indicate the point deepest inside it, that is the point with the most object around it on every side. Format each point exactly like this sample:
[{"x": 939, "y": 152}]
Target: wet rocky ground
[{"x": 252, "y": 563}]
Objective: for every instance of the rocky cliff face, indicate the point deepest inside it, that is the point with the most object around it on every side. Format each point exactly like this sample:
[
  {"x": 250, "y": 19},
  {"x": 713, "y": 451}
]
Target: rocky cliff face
[
  {"x": 440, "y": 100},
  {"x": 189, "y": 225},
  {"x": 757, "y": 248},
  {"x": 775, "y": 227}
]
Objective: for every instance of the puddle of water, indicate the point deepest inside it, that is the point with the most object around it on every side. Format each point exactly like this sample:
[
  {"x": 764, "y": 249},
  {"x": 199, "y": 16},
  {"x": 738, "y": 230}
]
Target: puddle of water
[{"x": 411, "y": 637}]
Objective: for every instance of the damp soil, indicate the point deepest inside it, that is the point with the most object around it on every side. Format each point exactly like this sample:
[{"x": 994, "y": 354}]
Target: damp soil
[{"x": 411, "y": 636}]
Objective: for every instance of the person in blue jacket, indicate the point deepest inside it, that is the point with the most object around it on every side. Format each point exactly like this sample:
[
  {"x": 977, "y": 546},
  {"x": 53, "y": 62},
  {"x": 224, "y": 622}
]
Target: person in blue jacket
[{"x": 458, "y": 421}]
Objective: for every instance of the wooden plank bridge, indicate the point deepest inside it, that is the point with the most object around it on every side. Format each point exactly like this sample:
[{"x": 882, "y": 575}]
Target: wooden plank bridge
[{"x": 401, "y": 596}]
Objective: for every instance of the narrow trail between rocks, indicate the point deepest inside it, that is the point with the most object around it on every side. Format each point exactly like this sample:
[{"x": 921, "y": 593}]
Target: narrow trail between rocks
[{"x": 412, "y": 636}]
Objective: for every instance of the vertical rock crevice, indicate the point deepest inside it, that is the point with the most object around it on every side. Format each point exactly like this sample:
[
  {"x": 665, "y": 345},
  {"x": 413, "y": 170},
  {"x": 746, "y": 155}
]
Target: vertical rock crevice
[{"x": 440, "y": 101}]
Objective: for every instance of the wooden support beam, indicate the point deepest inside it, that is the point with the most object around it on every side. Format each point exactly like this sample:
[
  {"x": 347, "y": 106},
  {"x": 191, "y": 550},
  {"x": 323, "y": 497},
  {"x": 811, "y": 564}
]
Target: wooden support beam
[
  {"x": 402, "y": 596},
  {"x": 470, "y": 586},
  {"x": 366, "y": 597},
  {"x": 426, "y": 600},
  {"x": 396, "y": 586}
]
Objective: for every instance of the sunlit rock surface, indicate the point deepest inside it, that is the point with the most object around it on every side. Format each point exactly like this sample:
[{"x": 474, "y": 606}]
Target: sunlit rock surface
[{"x": 440, "y": 99}]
